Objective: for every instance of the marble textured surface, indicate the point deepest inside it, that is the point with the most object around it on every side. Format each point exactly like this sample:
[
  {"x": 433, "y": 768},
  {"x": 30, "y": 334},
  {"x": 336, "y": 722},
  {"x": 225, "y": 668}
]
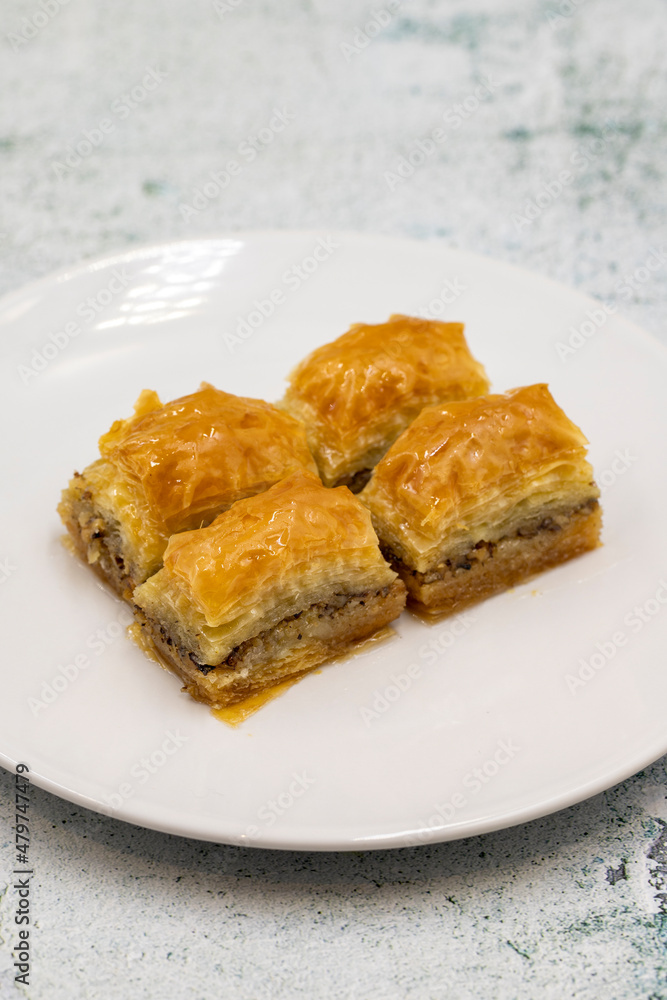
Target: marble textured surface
[{"x": 574, "y": 905}]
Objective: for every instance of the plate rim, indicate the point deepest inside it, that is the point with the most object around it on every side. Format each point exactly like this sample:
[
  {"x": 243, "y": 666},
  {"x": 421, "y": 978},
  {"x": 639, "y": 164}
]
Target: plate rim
[{"x": 396, "y": 841}]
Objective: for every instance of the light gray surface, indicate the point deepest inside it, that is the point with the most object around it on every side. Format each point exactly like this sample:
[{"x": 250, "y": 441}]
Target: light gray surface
[{"x": 569, "y": 906}]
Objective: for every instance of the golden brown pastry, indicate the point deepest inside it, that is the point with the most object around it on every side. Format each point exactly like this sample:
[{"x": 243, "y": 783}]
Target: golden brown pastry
[
  {"x": 476, "y": 496},
  {"x": 275, "y": 586},
  {"x": 358, "y": 393},
  {"x": 173, "y": 467}
]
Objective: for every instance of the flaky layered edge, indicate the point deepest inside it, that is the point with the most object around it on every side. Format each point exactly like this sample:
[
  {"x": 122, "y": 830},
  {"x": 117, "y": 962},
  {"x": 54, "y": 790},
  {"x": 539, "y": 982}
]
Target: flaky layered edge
[
  {"x": 455, "y": 581},
  {"x": 299, "y": 643},
  {"x": 98, "y": 529}
]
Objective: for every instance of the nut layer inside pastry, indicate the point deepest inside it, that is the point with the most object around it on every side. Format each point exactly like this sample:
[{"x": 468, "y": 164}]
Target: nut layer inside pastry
[
  {"x": 490, "y": 567},
  {"x": 356, "y": 482},
  {"x": 294, "y": 646},
  {"x": 97, "y": 537}
]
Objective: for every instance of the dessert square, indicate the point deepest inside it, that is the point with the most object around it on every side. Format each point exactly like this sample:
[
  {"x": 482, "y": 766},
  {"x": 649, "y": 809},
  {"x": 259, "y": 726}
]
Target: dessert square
[
  {"x": 358, "y": 393},
  {"x": 477, "y": 496},
  {"x": 273, "y": 587},
  {"x": 173, "y": 467}
]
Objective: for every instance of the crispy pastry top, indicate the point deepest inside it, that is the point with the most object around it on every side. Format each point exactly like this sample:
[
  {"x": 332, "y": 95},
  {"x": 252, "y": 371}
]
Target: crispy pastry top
[
  {"x": 359, "y": 392},
  {"x": 267, "y": 557},
  {"x": 203, "y": 452},
  {"x": 462, "y": 467}
]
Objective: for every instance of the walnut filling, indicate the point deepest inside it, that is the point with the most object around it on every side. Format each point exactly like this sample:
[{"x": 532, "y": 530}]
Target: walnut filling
[
  {"x": 292, "y": 648},
  {"x": 290, "y": 630},
  {"x": 483, "y": 551},
  {"x": 98, "y": 541},
  {"x": 356, "y": 482}
]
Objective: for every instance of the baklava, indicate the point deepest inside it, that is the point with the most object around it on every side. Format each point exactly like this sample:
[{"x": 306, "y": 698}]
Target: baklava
[
  {"x": 477, "y": 496},
  {"x": 358, "y": 393},
  {"x": 275, "y": 586},
  {"x": 171, "y": 468}
]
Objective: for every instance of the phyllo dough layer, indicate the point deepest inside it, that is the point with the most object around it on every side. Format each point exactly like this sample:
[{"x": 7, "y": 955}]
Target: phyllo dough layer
[
  {"x": 173, "y": 467},
  {"x": 276, "y": 585},
  {"x": 358, "y": 393},
  {"x": 477, "y": 495}
]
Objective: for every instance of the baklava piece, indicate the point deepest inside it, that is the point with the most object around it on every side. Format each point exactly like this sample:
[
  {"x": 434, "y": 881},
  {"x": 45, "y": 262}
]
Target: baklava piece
[
  {"x": 173, "y": 467},
  {"x": 275, "y": 586},
  {"x": 477, "y": 496},
  {"x": 358, "y": 393}
]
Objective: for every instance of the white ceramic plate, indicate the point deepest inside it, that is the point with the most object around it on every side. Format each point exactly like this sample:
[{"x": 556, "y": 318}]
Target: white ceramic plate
[{"x": 533, "y": 701}]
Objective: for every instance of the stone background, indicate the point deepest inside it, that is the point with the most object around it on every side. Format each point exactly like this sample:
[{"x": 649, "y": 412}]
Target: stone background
[{"x": 574, "y": 905}]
